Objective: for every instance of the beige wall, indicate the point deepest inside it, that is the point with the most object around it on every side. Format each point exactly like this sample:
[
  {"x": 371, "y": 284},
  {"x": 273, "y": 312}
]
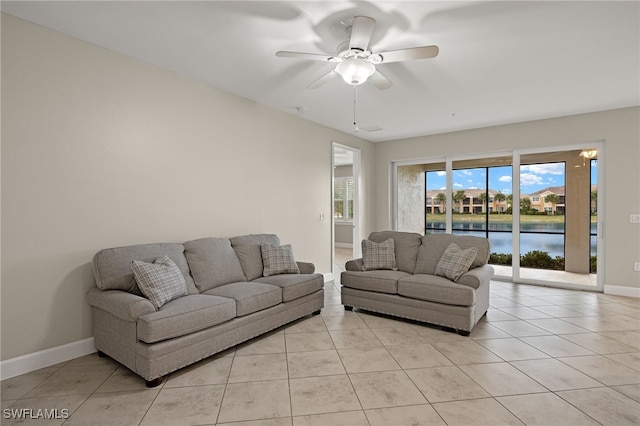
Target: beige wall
[
  {"x": 100, "y": 150},
  {"x": 619, "y": 129}
]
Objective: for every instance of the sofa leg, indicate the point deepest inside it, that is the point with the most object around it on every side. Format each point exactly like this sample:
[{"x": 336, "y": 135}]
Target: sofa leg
[
  {"x": 155, "y": 382},
  {"x": 316, "y": 312},
  {"x": 102, "y": 354},
  {"x": 348, "y": 308},
  {"x": 464, "y": 333}
]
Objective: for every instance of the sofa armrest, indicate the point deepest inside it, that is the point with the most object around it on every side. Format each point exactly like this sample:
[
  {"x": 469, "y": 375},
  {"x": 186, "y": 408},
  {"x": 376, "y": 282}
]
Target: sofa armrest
[
  {"x": 306, "y": 267},
  {"x": 354, "y": 265},
  {"x": 476, "y": 276},
  {"x": 123, "y": 305}
]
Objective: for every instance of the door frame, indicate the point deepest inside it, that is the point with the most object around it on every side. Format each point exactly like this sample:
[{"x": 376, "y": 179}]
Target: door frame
[{"x": 356, "y": 200}]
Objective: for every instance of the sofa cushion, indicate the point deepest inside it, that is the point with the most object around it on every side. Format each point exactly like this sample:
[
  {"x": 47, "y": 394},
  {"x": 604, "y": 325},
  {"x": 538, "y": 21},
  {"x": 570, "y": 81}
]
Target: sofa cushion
[
  {"x": 436, "y": 289},
  {"x": 377, "y": 281},
  {"x": 160, "y": 281},
  {"x": 278, "y": 260},
  {"x": 455, "y": 261},
  {"x": 247, "y": 249},
  {"x": 112, "y": 266},
  {"x": 377, "y": 256},
  {"x": 213, "y": 262},
  {"x": 434, "y": 245},
  {"x": 295, "y": 285},
  {"x": 183, "y": 316},
  {"x": 406, "y": 247},
  {"x": 249, "y": 297}
]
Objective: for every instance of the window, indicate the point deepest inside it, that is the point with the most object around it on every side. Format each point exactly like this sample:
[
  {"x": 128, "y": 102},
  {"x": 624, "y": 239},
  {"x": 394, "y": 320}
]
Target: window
[{"x": 343, "y": 199}]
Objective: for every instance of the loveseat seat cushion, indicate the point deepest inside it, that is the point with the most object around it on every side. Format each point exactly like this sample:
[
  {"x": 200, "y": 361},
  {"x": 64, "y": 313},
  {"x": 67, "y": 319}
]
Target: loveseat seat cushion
[
  {"x": 250, "y": 297},
  {"x": 406, "y": 247},
  {"x": 213, "y": 262},
  {"x": 294, "y": 285},
  {"x": 434, "y": 245},
  {"x": 112, "y": 266},
  {"x": 382, "y": 281},
  {"x": 436, "y": 289},
  {"x": 183, "y": 316},
  {"x": 247, "y": 248}
]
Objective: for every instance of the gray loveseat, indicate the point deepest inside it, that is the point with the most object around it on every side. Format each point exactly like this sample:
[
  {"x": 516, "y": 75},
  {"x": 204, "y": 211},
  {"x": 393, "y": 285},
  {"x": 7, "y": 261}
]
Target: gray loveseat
[
  {"x": 227, "y": 301},
  {"x": 414, "y": 290}
]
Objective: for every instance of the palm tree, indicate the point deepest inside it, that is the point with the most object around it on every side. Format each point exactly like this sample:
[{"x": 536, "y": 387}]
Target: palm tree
[
  {"x": 525, "y": 205},
  {"x": 459, "y": 197},
  {"x": 442, "y": 200},
  {"x": 484, "y": 197},
  {"x": 499, "y": 197},
  {"x": 553, "y": 199}
]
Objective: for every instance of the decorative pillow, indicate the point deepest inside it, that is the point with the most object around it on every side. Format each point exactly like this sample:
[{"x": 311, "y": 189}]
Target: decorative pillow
[
  {"x": 378, "y": 255},
  {"x": 455, "y": 261},
  {"x": 160, "y": 281},
  {"x": 278, "y": 260}
]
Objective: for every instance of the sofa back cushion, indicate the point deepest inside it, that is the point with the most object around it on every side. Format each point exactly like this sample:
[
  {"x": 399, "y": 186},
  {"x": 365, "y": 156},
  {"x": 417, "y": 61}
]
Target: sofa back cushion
[
  {"x": 112, "y": 266},
  {"x": 434, "y": 245},
  {"x": 406, "y": 247},
  {"x": 247, "y": 248},
  {"x": 213, "y": 263}
]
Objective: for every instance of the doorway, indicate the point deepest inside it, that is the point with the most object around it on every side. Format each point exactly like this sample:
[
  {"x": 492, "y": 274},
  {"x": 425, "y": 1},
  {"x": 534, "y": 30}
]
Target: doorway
[{"x": 345, "y": 205}]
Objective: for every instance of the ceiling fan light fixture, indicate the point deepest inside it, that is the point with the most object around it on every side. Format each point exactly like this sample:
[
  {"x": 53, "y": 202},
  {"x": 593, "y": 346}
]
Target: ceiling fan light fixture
[{"x": 355, "y": 71}]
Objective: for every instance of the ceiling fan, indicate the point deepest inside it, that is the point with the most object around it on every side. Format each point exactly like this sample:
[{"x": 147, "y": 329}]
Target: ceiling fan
[{"x": 356, "y": 63}]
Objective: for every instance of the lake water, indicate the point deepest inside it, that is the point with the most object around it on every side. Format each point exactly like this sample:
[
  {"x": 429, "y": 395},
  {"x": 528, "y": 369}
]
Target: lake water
[{"x": 543, "y": 236}]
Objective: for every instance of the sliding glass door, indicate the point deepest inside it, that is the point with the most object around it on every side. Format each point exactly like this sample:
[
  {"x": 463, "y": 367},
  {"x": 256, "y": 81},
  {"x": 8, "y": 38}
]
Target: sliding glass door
[{"x": 539, "y": 210}]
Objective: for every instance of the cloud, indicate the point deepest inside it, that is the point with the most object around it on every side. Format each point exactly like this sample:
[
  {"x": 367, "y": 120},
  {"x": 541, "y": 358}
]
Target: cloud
[
  {"x": 530, "y": 179},
  {"x": 505, "y": 179},
  {"x": 544, "y": 169},
  {"x": 458, "y": 185},
  {"x": 441, "y": 173}
]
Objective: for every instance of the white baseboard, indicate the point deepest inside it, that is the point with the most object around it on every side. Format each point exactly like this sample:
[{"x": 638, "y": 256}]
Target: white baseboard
[
  {"x": 622, "y": 291},
  {"x": 35, "y": 361}
]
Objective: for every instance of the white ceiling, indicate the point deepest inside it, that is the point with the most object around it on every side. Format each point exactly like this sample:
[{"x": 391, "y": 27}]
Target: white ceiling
[{"x": 499, "y": 62}]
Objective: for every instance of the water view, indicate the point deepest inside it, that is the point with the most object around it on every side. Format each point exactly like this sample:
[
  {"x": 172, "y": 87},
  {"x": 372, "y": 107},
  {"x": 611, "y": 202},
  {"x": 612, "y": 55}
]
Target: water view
[{"x": 543, "y": 236}]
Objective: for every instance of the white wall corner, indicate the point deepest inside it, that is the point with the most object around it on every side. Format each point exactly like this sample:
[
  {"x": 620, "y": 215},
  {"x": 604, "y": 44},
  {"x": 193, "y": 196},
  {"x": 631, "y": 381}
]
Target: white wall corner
[
  {"x": 622, "y": 291},
  {"x": 328, "y": 277},
  {"x": 37, "y": 360}
]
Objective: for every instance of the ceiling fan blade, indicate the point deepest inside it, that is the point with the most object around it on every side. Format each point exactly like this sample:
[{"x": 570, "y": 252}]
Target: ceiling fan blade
[
  {"x": 301, "y": 55},
  {"x": 361, "y": 32},
  {"x": 410, "y": 54},
  {"x": 380, "y": 81},
  {"x": 323, "y": 80}
]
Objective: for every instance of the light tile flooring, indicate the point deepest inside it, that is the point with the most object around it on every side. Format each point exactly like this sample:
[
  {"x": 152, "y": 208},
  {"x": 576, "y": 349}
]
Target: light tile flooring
[{"x": 541, "y": 356}]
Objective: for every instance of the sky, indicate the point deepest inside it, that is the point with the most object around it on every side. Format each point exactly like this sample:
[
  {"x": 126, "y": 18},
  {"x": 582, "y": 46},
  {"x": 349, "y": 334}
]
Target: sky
[{"x": 534, "y": 177}]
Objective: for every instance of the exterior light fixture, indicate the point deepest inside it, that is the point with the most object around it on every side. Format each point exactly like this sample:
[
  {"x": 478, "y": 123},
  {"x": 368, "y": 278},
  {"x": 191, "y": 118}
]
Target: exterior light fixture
[
  {"x": 355, "y": 70},
  {"x": 589, "y": 153}
]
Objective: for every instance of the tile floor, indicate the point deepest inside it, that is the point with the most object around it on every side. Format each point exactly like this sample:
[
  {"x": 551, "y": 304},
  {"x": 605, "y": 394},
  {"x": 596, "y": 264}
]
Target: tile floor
[{"x": 541, "y": 356}]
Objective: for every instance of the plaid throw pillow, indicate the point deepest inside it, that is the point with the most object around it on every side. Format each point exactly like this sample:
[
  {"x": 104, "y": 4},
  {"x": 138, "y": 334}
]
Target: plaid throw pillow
[
  {"x": 455, "y": 261},
  {"x": 278, "y": 260},
  {"x": 160, "y": 281},
  {"x": 378, "y": 255}
]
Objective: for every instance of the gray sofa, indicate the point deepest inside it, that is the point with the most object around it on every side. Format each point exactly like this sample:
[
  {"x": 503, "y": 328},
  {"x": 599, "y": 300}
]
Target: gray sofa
[
  {"x": 413, "y": 290},
  {"x": 227, "y": 301}
]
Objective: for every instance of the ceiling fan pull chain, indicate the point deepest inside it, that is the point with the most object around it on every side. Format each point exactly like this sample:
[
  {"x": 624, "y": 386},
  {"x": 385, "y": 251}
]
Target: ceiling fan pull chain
[{"x": 355, "y": 93}]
